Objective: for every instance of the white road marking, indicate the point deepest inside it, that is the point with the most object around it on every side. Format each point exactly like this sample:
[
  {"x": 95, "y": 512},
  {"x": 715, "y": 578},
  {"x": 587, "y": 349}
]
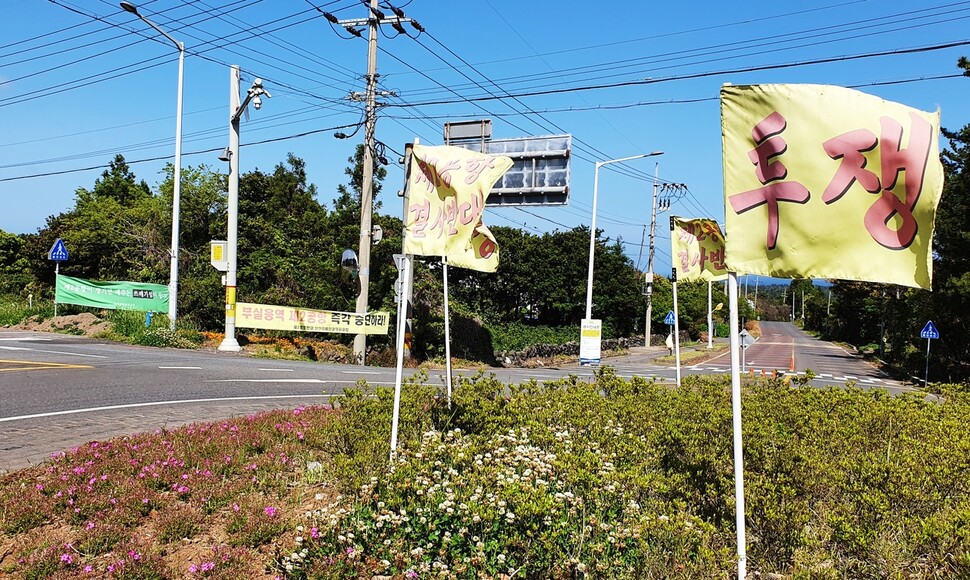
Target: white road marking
[
  {"x": 182, "y": 368},
  {"x": 315, "y": 381},
  {"x": 362, "y": 372},
  {"x": 51, "y": 351},
  {"x": 27, "y": 339},
  {"x": 268, "y": 381},
  {"x": 278, "y": 370},
  {"x": 156, "y": 404}
]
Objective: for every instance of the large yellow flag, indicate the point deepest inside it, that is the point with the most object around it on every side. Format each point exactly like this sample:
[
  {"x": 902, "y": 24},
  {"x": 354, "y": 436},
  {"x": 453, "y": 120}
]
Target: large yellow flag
[
  {"x": 447, "y": 189},
  {"x": 828, "y": 182},
  {"x": 697, "y": 247}
]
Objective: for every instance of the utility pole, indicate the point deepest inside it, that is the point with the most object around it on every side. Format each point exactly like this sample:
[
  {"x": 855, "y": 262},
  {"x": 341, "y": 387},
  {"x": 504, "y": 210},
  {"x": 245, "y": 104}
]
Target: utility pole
[
  {"x": 653, "y": 234},
  {"x": 757, "y": 282},
  {"x": 375, "y": 19},
  {"x": 367, "y": 187}
]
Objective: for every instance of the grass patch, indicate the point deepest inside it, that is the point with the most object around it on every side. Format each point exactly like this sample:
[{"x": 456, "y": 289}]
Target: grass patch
[
  {"x": 610, "y": 478},
  {"x": 694, "y": 355}
]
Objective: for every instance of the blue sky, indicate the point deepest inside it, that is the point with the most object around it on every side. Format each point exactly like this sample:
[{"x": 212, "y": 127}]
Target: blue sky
[{"x": 83, "y": 80}]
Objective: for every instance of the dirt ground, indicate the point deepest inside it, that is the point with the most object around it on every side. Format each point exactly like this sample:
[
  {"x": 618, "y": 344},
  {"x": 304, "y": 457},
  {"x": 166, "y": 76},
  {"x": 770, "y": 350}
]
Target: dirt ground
[{"x": 86, "y": 324}]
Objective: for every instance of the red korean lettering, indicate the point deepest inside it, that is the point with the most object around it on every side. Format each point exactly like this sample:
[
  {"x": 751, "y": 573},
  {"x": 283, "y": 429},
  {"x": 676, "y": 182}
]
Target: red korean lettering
[
  {"x": 710, "y": 230},
  {"x": 849, "y": 147},
  {"x": 450, "y": 216},
  {"x": 475, "y": 166},
  {"x": 684, "y": 257},
  {"x": 716, "y": 257},
  {"x": 895, "y": 160},
  {"x": 436, "y": 173},
  {"x": 469, "y": 211},
  {"x": 421, "y": 213},
  {"x": 768, "y": 146},
  {"x": 487, "y": 248}
]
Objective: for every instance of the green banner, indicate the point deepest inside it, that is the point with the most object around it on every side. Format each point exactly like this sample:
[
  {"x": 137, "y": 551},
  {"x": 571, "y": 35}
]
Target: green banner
[{"x": 111, "y": 295}]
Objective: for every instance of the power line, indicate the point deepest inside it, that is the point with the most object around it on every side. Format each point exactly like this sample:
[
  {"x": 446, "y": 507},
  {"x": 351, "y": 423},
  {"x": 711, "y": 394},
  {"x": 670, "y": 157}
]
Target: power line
[
  {"x": 163, "y": 157},
  {"x": 757, "y": 68}
]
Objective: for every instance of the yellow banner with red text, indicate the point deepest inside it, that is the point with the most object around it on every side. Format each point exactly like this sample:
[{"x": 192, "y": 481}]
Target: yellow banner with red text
[
  {"x": 697, "y": 246},
  {"x": 828, "y": 182},
  {"x": 447, "y": 189},
  {"x": 269, "y": 317}
]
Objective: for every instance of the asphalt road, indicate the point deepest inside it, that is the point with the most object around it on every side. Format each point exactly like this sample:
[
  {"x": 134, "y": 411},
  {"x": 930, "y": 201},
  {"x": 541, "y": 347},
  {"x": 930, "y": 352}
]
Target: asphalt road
[{"x": 59, "y": 391}]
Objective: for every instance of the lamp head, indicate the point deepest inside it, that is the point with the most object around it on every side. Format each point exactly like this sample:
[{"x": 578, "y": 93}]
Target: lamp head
[
  {"x": 226, "y": 155},
  {"x": 129, "y": 7}
]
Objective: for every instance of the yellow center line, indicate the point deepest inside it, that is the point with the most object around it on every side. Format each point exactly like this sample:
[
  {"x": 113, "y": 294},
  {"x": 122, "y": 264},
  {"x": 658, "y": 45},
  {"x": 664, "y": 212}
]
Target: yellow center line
[{"x": 34, "y": 366}]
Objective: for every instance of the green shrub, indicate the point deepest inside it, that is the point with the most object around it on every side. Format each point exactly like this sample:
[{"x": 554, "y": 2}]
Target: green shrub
[
  {"x": 518, "y": 336},
  {"x": 14, "y": 310},
  {"x": 618, "y": 478}
]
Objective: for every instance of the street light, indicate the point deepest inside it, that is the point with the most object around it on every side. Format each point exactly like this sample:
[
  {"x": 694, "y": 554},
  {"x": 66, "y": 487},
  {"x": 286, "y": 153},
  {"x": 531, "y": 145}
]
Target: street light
[
  {"x": 236, "y": 109},
  {"x": 592, "y": 230},
  {"x": 177, "y": 177}
]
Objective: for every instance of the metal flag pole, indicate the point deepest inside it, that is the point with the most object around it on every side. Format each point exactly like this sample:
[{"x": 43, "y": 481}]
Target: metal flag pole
[
  {"x": 676, "y": 333},
  {"x": 736, "y": 422},
  {"x": 401, "y": 325},
  {"x": 444, "y": 274},
  {"x": 406, "y": 275},
  {"x": 710, "y": 316}
]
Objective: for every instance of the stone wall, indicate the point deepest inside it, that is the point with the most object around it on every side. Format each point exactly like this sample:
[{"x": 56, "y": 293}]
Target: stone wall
[{"x": 571, "y": 349}]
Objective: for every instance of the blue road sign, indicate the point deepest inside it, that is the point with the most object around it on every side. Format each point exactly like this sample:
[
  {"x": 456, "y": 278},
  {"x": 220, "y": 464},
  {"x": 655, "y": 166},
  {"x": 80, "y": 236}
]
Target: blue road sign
[
  {"x": 670, "y": 318},
  {"x": 58, "y": 251},
  {"x": 929, "y": 331}
]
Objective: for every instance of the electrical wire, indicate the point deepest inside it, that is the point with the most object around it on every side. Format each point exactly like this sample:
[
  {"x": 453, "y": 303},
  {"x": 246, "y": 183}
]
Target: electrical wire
[{"x": 689, "y": 76}]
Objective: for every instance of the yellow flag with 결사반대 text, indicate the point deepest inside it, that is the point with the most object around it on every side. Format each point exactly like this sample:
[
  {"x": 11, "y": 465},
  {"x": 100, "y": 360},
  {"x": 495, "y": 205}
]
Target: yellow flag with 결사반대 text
[
  {"x": 447, "y": 189},
  {"x": 697, "y": 247},
  {"x": 828, "y": 182}
]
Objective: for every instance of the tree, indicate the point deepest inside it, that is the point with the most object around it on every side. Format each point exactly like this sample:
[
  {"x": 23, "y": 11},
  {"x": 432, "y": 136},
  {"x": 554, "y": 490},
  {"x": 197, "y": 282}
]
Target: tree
[
  {"x": 283, "y": 255},
  {"x": 348, "y": 196},
  {"x": 951, "y": 264},
  {"x": 14, "y": 271},
  {"x": 105, "y": 231}
]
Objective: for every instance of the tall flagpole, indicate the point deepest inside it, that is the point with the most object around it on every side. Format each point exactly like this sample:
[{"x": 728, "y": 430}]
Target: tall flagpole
[
  {"x": 710, "y": 316},
  {"x": 676, "y": 333},
  {"x": 736, "y": 420}
]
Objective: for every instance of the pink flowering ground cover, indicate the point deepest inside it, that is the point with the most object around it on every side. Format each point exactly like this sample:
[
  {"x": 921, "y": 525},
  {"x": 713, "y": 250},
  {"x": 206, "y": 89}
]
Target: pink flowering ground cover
[{"x": 204, "y": 500}]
